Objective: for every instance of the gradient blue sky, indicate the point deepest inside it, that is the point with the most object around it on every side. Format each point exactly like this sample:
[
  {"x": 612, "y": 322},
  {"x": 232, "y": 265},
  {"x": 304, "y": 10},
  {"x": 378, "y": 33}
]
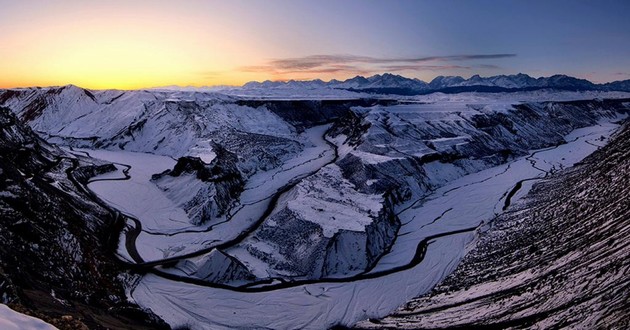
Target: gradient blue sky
[{"x": 127, "y": 44}]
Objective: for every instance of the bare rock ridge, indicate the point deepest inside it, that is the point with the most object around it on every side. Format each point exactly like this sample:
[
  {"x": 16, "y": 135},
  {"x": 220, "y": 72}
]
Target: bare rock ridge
[
  {"x": 55, "y": 240},
  {"x": 559, "y": 259}
]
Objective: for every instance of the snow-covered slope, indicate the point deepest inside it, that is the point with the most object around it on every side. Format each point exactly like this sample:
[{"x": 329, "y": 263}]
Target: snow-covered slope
[
  {"x": 12, "y": 320},
  {"x": 166, "y": 123},
  {"x": 56, "y": 237}
]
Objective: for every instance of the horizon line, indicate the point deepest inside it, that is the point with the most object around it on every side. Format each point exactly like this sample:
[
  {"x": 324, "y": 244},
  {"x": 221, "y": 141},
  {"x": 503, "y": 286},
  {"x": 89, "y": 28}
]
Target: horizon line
[{"x": 305, "y": 80}]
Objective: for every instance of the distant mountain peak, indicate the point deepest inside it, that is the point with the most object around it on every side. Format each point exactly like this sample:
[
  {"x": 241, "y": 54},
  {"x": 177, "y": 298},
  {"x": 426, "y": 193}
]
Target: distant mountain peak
[{"x": 397, "y": 84}]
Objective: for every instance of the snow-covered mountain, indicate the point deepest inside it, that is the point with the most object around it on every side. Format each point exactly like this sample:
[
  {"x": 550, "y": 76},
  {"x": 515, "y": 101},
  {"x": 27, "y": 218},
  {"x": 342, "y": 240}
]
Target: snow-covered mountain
[
  {"x": 395, "y": 84},
  {"x": 515, "y": 82}
]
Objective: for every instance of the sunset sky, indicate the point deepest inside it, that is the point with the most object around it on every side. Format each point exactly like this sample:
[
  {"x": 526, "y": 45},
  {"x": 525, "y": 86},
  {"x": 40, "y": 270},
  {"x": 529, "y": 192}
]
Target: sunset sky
[{"x": 135, "y": 44}]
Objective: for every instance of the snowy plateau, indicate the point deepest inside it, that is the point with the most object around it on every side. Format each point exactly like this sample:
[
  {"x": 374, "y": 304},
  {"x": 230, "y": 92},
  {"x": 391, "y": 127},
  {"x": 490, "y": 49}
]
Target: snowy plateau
[{"x": 306, "y": 204}]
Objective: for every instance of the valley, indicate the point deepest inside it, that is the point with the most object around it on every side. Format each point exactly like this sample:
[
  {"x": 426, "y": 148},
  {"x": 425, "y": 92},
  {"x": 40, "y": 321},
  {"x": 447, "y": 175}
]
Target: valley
[
  {"x": 307, "y": 213},
  {"x": 447, "y": 217},
  {"x": 317, "y": 165}
]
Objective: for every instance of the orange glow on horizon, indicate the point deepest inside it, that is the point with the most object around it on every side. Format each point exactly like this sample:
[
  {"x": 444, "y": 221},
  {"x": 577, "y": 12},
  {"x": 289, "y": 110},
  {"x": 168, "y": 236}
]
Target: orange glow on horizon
[{"x": 96, "y": 48}]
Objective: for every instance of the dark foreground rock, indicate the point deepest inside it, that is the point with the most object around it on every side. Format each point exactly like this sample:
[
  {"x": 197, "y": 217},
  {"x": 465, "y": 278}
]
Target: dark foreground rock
[{"x": 558, "y": 259}]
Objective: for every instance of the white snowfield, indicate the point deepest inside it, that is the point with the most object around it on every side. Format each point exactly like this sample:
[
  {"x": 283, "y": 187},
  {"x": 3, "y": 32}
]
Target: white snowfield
[
  {"x": 138, "y": 196},
  {"x": 12, "y": 320}
]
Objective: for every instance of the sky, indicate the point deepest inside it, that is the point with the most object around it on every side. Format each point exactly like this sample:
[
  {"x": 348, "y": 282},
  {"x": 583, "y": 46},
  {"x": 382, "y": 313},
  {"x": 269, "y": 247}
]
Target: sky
[{"x": 137, "y": 44}]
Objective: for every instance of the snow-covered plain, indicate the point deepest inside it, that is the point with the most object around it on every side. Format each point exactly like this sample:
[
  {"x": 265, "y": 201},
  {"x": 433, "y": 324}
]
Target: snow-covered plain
[
  {"x": 138, "y": 196},
  {"x": 12, "y": 320},
  {"x": 464, "y": 203}
]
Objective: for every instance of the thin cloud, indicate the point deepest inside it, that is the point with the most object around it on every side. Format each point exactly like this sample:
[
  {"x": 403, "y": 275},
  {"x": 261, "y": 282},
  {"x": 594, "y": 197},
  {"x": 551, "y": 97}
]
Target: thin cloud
[
  {"x": 487, "y": 66},
  {"x": 322, "y": 69},
  {"x": 314, "y": 61},
  {"x": 396, "y": 68},
  {"x": 363, "y": 65}
]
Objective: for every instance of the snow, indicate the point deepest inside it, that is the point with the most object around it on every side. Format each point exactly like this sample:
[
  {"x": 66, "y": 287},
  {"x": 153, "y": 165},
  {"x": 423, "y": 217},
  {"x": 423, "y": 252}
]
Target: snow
[
  {"x": 464, "y": 203},
  {"x": 176, "y": 123},
  {"x": 12, "y": 320},
  {"x": 138, "y": 196},
  {"x": 313, "y": 306},
  {"x": 474, "y": 198}
]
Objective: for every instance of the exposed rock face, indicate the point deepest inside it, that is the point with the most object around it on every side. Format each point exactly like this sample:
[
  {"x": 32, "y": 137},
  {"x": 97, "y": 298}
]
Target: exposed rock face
[
  {"x": 352, "y": 125},
  {"x": 55, "y": 240},
  {"x": 204, "y": 191},
  {"x": 558, "y": 259},
  {"x": 351, "y": 252},
  {"x": 308, "y": 113},
  {"x": 430, "y": 145}
]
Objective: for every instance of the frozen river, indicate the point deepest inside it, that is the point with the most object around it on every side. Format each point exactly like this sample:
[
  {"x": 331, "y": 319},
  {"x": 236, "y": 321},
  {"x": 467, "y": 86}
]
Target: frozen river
[{"x": 462, "y": 204}]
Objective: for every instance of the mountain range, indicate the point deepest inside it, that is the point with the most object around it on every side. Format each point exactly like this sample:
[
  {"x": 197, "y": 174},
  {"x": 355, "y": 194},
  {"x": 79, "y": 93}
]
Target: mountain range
[{"x": 388, "y": 83}]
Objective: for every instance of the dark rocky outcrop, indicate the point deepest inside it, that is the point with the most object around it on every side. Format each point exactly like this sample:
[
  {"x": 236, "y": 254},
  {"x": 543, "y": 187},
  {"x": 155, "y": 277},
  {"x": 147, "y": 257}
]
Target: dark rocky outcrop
[
  {"x": 216, "y": 267},
  {"x": 351, "y": 252}
]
